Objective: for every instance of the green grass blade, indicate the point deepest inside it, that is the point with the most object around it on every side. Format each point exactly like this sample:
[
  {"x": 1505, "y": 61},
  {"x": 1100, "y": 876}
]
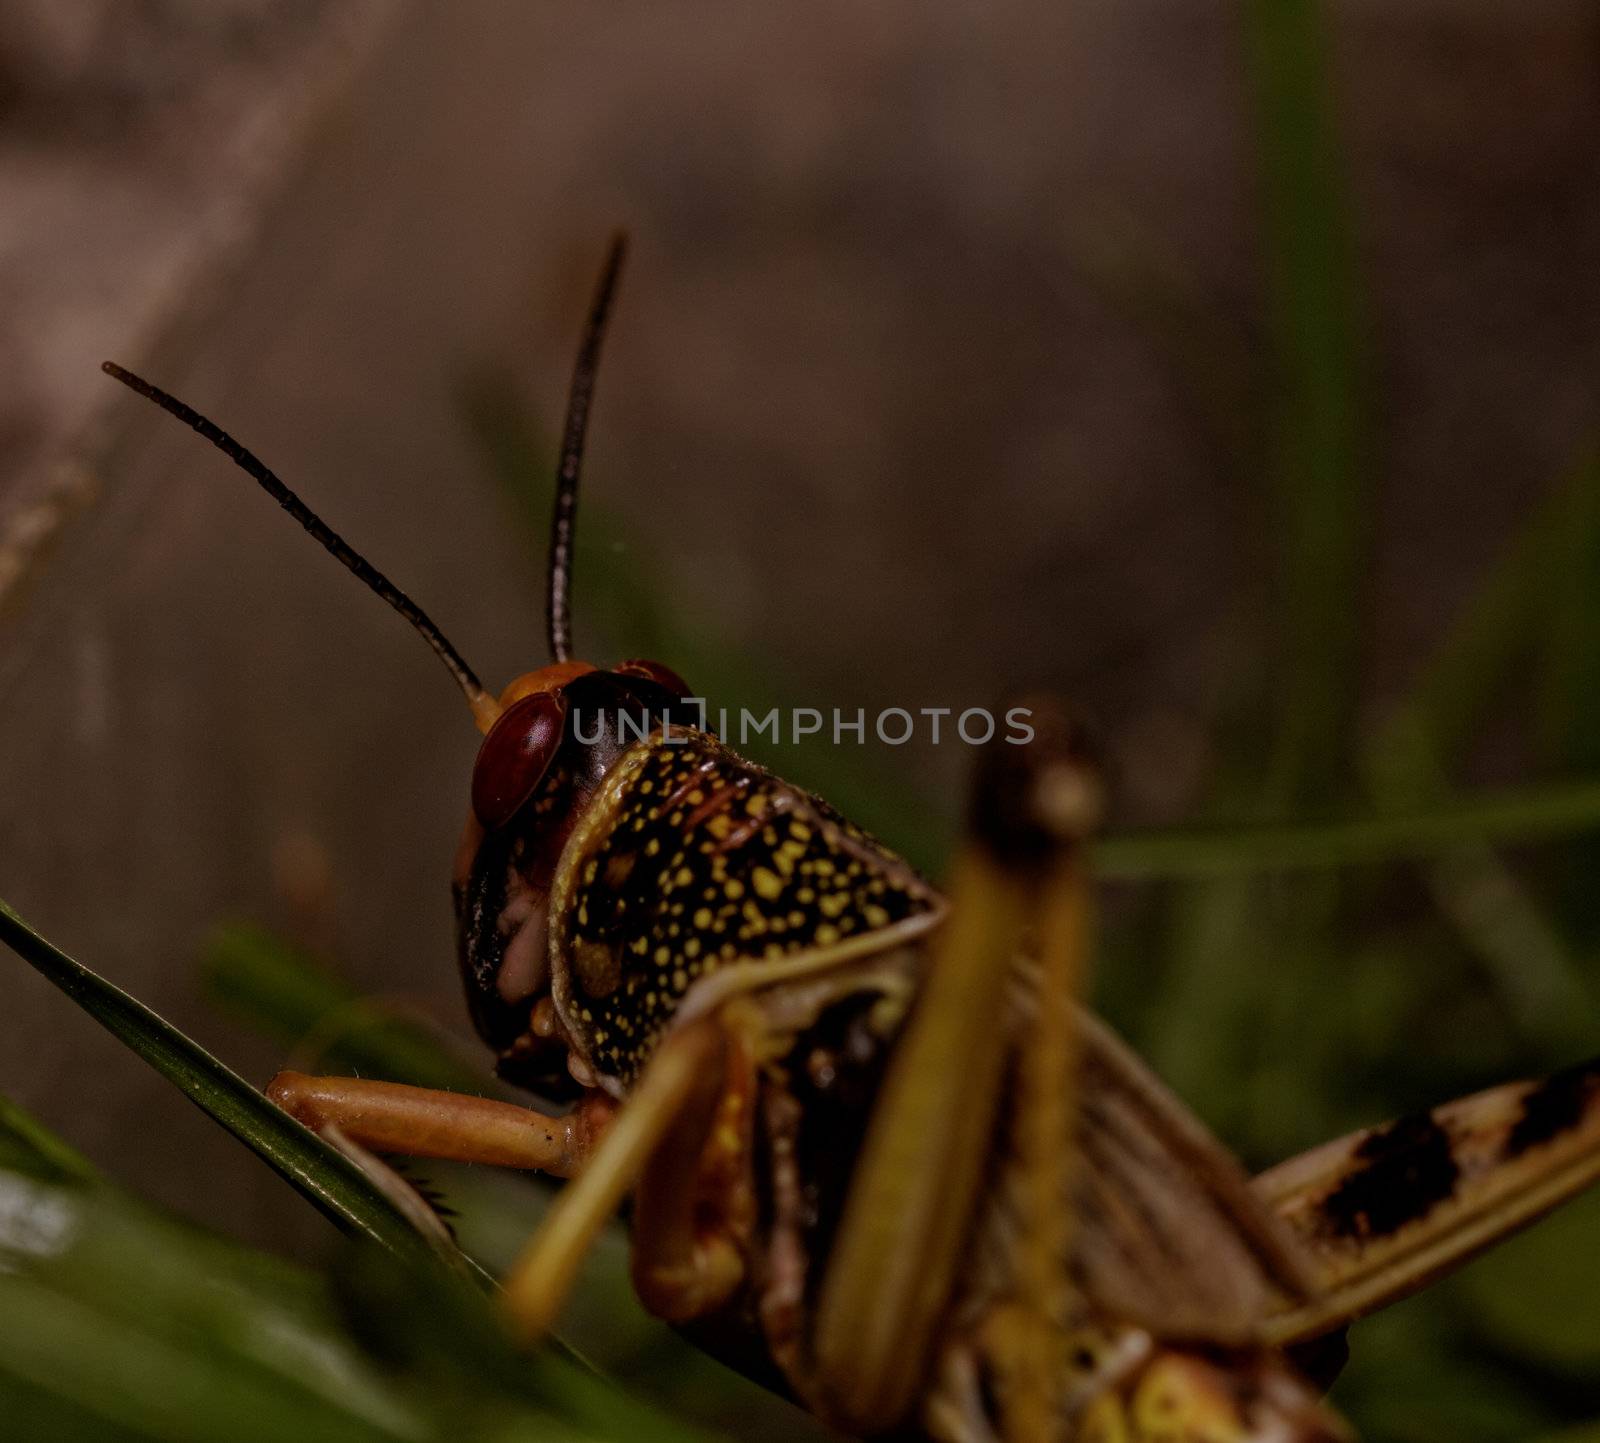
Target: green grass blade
[
  {"x": 292, "y": 997},
  {"x": 1500, "y": 621},
  {"x": 315, "y": 1170},
  {"x": 1317, "y": 447},
  {"x": 28, "y": 1147},
  {"x": 133, "y": 1381},
  {"x": 1514, "y": 816},
  {"x": 1567, "y": 691},
  {"x": 104, "y": 1302},
  {"x": 33, "y": 1412},
  {"x": 1241, "y": 1023},
  {"x": 1410, "y": 760}
]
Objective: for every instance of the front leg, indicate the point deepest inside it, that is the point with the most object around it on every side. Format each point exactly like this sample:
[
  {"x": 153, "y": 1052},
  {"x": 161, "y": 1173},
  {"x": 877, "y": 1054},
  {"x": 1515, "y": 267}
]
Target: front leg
[
  {"x": 665, "y": 1142},
  {"x": 367, "y": 1120},
  {"x": 391, "y": 1117},
  {"x": 694, "y": 1207},
  {"x": 682, "y": 1140}
]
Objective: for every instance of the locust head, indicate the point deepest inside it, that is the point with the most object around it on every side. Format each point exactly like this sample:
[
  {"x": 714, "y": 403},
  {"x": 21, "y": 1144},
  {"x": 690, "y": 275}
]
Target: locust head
[{"x": 559, "y": 732}]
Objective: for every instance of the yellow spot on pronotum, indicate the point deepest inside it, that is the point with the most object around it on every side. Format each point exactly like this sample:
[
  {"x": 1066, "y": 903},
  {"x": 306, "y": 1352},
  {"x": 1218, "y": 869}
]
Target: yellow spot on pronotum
[{"x": 767, "y": 884}]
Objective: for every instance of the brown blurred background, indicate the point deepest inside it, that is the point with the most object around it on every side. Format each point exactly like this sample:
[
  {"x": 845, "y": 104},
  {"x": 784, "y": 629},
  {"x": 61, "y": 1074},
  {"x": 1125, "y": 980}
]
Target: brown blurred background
[{"x": 949, "y": 362}]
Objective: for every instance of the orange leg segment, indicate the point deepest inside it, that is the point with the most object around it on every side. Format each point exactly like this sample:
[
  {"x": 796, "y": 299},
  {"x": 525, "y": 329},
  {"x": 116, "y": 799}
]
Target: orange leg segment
[
  {"x": 681, "y": 1268},
  {"x": 389, "y": 1117},
  {"x": 693, "y": 1206}
]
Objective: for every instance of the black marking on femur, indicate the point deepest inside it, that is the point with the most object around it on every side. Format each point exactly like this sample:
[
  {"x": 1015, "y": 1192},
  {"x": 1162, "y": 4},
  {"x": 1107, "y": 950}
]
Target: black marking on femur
[
  {"x": 1554, "y": 1106},
  {"x": 1401, "y": 1173}
]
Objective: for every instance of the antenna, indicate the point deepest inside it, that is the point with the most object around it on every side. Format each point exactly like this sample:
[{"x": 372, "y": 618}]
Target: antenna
[
  {"x": 484, "y": 707},
  {"x": 558, "y": 593}
]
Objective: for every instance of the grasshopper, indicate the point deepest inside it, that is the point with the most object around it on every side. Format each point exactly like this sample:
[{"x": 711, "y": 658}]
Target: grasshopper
[{"x": 876, "y": 1151}]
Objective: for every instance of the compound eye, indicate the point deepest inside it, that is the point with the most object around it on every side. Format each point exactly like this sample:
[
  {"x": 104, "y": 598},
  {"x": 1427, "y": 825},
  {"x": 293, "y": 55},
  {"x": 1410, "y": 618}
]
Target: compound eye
[
  {"x": 515, "y": 756},
  {"x": 654, "y": 671}
]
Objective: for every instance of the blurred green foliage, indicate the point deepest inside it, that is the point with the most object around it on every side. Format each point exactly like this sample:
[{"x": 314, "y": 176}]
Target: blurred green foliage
[{"x": 117, "y": 1322}]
